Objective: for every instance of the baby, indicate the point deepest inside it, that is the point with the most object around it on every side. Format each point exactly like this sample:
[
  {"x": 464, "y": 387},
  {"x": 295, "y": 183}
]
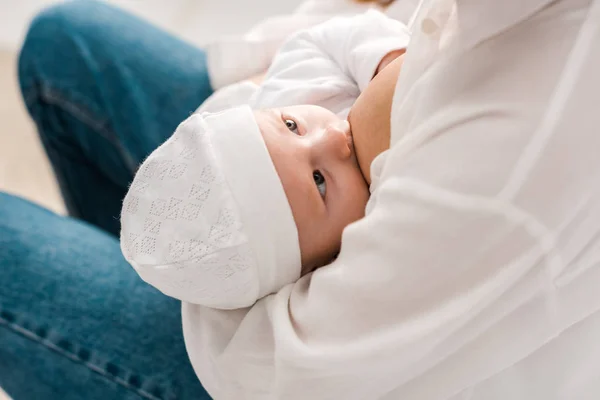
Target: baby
[{"x": 238, "y": 203}]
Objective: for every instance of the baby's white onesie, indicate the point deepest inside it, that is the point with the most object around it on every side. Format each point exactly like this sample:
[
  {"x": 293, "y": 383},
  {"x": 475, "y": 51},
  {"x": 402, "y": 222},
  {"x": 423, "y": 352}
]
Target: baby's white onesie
[{"x": 328, "y": 65}]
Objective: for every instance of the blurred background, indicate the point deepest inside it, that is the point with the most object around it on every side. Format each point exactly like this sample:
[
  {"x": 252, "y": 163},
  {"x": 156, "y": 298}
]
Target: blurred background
[{"x": 24, "y": 169}]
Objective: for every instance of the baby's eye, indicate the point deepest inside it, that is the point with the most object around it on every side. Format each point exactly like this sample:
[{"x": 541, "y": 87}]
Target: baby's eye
[
  {"x": 320, "y": 182},
  {"x": 292, "y": 126}
]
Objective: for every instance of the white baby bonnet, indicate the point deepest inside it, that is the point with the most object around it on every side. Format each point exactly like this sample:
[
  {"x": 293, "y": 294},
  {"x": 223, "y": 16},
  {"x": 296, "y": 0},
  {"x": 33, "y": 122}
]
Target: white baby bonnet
[{"x": 206, "y": 219}]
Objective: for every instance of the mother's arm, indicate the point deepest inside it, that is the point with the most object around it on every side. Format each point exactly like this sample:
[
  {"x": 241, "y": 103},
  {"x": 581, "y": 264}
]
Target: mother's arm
[{"x": 370, "y": 323}]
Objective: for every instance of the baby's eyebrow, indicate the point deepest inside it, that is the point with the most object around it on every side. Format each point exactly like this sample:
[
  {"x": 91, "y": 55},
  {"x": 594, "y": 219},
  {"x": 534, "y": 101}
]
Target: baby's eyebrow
[{"x": 276, "y": 113}]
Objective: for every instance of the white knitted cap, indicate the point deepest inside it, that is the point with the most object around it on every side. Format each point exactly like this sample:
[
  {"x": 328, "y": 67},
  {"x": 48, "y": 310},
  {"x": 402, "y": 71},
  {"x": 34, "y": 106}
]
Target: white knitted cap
[{"x": 206, "y": 219}]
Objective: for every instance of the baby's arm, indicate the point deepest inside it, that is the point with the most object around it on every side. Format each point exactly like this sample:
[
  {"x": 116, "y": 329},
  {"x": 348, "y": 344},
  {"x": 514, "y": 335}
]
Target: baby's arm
[{"x": 330, "y": 64}]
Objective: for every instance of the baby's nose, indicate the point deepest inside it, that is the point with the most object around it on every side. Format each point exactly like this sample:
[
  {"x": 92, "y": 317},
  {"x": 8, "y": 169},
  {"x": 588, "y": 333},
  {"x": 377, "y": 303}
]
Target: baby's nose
[{"x": 337, "y": 139}]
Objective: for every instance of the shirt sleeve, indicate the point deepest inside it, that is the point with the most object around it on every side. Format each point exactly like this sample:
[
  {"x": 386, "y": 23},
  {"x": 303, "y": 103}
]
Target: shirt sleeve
[
  {"x": 434, "y": 264},
  {"x": 330, "y": 64},
  {"x": 416, "y": 271},
  {"x": 442, "y": 284}
]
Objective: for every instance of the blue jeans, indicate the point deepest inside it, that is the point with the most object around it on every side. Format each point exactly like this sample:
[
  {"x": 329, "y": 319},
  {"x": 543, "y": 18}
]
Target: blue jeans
[{"x": 76, "y": 322}]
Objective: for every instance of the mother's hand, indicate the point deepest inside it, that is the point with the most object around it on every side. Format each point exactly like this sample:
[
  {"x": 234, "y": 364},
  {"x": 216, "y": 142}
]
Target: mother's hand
[{"x": 370, "y": 116}]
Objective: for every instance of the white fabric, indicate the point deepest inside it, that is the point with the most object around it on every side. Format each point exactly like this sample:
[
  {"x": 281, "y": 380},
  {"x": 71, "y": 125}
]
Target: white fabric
[
  {"x": 206, "y": 219},
  {"x": 330, "y": 64},
  {"x": 474, "y": 274},
  {"x": 315, "y": 67},
  {"x": 233, "y": 58}
]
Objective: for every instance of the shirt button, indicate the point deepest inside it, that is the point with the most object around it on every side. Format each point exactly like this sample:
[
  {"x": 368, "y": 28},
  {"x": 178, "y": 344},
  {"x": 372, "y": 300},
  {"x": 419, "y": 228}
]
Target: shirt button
[{"x": 429, "y": 26}]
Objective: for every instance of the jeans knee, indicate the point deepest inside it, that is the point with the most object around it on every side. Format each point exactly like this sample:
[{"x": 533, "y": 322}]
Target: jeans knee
[
  {"x": 41, "y": 48},
  {"x": 52, "y": 40}
]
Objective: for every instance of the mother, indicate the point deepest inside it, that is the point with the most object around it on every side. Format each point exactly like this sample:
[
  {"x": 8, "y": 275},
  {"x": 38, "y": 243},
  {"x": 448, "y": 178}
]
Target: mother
[{"x": 473, "y": 275}]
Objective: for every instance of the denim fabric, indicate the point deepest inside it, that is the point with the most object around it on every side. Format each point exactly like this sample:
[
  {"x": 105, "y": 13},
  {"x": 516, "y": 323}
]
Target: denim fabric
[{"x": 76, "y": 322}]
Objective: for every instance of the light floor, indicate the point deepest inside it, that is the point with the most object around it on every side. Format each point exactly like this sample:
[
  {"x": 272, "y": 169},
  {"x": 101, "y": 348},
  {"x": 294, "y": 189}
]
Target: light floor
[{"x": 24, "y": 168}]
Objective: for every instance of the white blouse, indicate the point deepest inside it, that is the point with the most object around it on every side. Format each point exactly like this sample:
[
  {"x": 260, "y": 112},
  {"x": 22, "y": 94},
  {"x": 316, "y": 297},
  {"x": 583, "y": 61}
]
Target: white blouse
[{"x": 475, "y": 273}]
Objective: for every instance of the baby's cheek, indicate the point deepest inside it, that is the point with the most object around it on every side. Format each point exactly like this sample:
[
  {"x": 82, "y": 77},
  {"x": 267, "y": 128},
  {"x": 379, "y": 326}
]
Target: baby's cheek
[
  {"x": 321, "y": 237},
  {"x": 321, "y": 245},
  {"x": 359, "y": 197}
]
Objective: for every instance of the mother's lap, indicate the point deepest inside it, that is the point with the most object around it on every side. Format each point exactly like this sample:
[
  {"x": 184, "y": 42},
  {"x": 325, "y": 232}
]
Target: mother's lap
[{"x": 74, "y": 314}]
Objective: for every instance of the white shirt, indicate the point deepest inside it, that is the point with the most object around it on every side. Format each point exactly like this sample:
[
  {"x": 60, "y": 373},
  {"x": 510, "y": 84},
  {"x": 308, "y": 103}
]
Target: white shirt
[{"x": 475, "y": 273}]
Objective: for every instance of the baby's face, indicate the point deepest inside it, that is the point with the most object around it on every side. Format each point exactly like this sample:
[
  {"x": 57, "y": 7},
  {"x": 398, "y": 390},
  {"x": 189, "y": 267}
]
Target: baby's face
[{"x": 313, "y": 154}]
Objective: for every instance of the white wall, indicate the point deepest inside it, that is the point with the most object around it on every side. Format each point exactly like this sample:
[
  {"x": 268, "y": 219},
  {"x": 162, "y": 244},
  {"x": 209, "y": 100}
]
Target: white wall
[
  {"x": 196, "y": 20},
  {"x": 14, "y": 15}
]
